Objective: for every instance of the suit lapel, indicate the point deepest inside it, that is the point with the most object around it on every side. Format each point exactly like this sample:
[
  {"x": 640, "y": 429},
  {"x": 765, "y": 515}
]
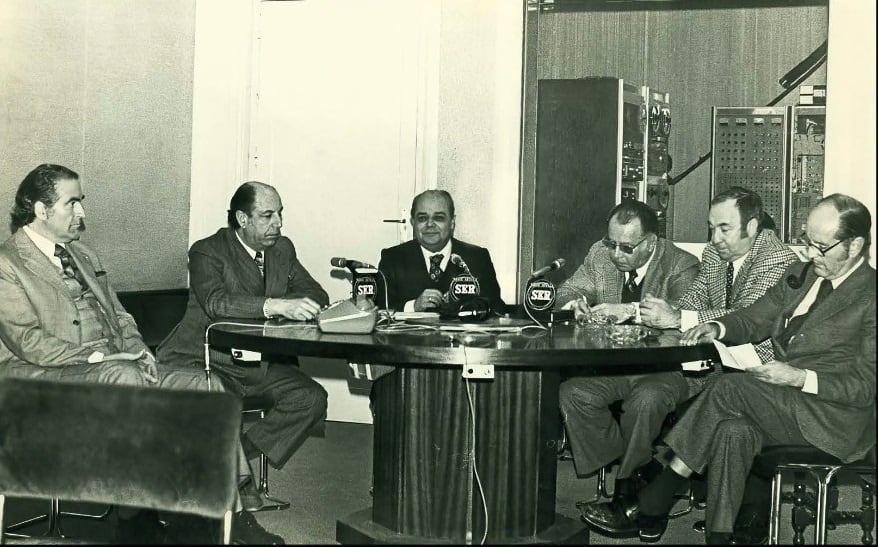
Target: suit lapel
[
  {"x": 276, "y": 267},
  {"x": 656, "y": 272},
  {"x": 840, "y": 299},
  {"x": 245, "y": 266},
  {"x": 87, "y": 270}
]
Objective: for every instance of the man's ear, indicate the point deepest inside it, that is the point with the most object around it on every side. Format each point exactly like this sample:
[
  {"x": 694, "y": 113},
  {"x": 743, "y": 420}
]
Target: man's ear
[
  {"x": 241, "y": 217},
  {"x": 856, "y": 246},
  {"x": 41, "y": 211},
  {"x": 752, "y": 227}
]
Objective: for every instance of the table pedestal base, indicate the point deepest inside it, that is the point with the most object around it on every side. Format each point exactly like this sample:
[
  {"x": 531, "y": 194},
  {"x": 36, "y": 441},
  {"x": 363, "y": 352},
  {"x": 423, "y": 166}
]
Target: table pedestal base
[{"x": 359, "y": 528}]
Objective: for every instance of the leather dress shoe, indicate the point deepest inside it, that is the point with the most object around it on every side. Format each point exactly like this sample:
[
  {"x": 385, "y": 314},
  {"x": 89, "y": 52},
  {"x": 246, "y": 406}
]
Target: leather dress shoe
[
  {"x": 252, "y": 499},
  {"x": 609, "y": 518},
  {"x": 246, "y": 531},
  {"x": 651, "y": 528},
  {"x": 751, "y": 526}
]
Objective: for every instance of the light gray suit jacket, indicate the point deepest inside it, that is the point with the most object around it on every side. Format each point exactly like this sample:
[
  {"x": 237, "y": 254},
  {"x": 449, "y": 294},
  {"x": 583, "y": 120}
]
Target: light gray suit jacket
[{"x": 39, "y": 322}]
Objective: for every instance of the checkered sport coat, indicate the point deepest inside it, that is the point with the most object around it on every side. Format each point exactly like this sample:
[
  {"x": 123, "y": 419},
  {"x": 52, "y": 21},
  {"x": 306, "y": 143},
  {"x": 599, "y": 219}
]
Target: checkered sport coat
[
  {"x": 764, "y": 267},
  {"x": 669, "y": 275}
]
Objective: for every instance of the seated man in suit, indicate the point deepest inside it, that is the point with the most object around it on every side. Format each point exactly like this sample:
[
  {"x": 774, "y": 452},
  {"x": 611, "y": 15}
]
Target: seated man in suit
[
  {"x": 61, "y": 320},
  {"x": 819, "y": 392},
  {"x": 631, "y": 260},
  {"x": 419, "y": 272},
  {"x": 249, "y": 270}
]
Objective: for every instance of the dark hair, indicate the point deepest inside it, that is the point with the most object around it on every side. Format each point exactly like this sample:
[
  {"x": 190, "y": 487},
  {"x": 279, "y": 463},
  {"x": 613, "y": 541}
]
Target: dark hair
[
  {"x": 630, "y": 209},
  {"x": 749, "y": 206},
  {"x": 242, "y": 200},
  {"x": 38, "y": 185},
  {"x": 442, "y": 193},
  {"x": 854, "y": 219}
]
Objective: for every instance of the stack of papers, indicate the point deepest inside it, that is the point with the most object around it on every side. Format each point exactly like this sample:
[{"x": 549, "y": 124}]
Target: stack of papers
[{"x": 742, "y": 357}]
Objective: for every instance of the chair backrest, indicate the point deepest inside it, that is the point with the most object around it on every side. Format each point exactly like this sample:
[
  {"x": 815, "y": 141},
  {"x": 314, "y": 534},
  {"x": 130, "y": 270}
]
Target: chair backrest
[{"x": 141, "y": 447}]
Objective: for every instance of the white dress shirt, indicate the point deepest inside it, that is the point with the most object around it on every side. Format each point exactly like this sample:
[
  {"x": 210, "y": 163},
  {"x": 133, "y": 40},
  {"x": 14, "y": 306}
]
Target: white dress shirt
[
  {"x": 689, "y": 318},
  {"x": 446, "y": 256}
]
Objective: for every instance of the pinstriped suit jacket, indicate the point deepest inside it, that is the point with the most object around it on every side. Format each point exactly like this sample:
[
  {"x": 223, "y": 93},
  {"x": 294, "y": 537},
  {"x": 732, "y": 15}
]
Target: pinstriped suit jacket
[
  {"x": 669, "y": 275},
  {"x": 39, "y": 322},
  {"x": 765, "y": 265}
]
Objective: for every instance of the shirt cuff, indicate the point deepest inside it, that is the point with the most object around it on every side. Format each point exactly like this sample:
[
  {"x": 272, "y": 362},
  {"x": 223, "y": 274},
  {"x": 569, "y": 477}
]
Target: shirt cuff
[
  {"x": 96, "y": 357},
  {"x": 409, "y": 306},
  {"x": 810, "y": 382},
  {"x": 265, "y": 309},
  {"x": 688, "y": 319},
  {"x": 722, "y": 329}
]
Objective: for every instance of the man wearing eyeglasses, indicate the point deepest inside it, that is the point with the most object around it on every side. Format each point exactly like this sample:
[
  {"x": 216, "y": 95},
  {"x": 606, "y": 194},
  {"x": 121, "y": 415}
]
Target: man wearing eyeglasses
[
  {"x": 630, "y": 261},
  {"x": 819, "y": 392}
]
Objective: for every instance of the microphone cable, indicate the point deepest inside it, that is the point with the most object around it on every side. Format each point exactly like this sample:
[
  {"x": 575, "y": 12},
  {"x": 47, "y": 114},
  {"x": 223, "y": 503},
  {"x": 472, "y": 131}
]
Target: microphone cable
[{"x": 472, "y": 455}]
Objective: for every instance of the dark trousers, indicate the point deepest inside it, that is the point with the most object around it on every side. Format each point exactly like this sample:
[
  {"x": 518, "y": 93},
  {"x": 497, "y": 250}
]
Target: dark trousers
[
  {"x": 596, "y": 438},
  {"x": 724, "y": 429},
  {"x": 299, "y": 405}
]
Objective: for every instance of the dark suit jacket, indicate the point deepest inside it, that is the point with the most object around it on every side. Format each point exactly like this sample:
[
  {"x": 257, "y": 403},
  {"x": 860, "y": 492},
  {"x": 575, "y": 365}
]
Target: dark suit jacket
[
  {"x": 837, "y": 341},
  {"x": 407, "y": 277},
  {"x": 226, "y": 283},
  {"x": 39, "y": 322},
  {"x": 669, "y": 275}
]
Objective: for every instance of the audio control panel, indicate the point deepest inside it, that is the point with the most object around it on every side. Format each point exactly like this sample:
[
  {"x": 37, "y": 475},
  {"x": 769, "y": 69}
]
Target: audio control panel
[
  {"x": 658, "y": 162},
  {"x": 806, "y": 166},
  {"x": 749, "y": 147}
]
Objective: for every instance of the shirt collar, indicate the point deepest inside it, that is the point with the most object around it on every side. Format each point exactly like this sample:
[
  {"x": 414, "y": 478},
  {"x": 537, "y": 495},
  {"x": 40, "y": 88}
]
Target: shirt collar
[
  {"x": 444, "y": 251},
  {"x": 45, "y": 245},
  {"x": 641, "y": 271},
  {"x": 247, "y": 248},
  {"x": 839, "y": 280}
]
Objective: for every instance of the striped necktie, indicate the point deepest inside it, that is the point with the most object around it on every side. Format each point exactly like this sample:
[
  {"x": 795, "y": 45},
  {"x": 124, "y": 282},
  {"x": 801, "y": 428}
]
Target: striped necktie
[
  {"x": 260, "y": 262},
  {"x": 730, "y": 278}
]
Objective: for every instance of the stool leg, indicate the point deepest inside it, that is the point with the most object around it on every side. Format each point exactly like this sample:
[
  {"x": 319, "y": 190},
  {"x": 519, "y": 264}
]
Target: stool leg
[
  {"x": 270, "y": 502},
  {"x": 867, "y": 518},
  {"x": 774, "y": 519},
  {"x": 823, "y": 476}
]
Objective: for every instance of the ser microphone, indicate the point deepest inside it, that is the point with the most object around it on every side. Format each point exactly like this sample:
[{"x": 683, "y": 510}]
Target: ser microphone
[
  {"x": 794, "y": 282},
  {"x": 460, "y": 263},
  {"x": 340, "y": 262},
  {"x": 556, "y": 264}
]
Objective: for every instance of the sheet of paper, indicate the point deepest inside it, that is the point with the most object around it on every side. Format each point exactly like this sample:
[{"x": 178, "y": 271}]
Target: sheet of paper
[{"x": 741, "y": 357}]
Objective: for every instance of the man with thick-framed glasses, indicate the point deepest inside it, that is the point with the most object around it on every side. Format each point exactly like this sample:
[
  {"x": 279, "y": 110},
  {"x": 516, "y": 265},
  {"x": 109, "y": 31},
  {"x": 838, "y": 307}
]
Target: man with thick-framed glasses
[{"x": 630, "y": 261}]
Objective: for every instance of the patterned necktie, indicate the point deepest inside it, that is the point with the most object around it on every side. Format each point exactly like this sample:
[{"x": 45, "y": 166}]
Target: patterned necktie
[
  {"x": 260, "y": 262},
  {"x": 796, "y": 322},
  {"x": 435, "y": 270},
  {"x": 631, "y": 290},
  {"x": 68, "y": 266},
  {"x": 730, "y": 278}
]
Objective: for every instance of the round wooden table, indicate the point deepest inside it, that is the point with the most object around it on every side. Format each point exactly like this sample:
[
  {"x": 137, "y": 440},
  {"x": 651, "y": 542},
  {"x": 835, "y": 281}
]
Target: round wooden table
[{"x": 429, "y": 420}]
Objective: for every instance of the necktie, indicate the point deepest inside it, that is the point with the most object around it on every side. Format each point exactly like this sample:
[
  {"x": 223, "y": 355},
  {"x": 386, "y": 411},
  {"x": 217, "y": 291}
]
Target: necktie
[
  {"x": 435, "y": 270},
  {"x": 260, "y": 262},
  {"x": 730, "y": 278},
  {"x": 796, "y": 322},
  {"x": 631, "y": 290},
  {"x": 68, "y": 266}
]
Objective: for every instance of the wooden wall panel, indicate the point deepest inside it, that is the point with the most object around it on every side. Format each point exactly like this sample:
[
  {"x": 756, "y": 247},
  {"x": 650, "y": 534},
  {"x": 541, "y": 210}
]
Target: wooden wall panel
[{"x": 703, "y": 58}]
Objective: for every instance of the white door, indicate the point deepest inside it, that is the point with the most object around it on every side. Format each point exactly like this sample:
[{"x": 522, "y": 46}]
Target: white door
[{"x": 337, "y": 87}]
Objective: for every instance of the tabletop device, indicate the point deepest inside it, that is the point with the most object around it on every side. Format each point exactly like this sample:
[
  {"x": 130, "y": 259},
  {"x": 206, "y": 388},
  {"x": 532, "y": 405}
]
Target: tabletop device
[{"x": 349, "y": 316}]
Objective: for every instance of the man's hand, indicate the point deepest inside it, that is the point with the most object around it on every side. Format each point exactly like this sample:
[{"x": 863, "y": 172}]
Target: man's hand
[
  {"x": 656, "y": 312},
  {"x": 429, "y": 299},
  {"x": 699, "y": 334},
  {"x": 298, "y": 309},
  {"x": 144, "y": 361},
  {"x": 779, "y": 373},
  {"x": 620, "y": 311}
]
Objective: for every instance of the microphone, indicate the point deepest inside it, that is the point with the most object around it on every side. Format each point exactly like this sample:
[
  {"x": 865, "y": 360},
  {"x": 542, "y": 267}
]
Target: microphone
[
  {"x": 796, "y": 282},
  {"x": 556, "y": 264},
  {"x": 340, "y": 262},
  {"x": 460, "y": 263}
]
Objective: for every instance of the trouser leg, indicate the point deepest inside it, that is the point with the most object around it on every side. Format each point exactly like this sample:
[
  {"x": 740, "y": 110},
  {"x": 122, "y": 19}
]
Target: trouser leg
[
  {"x": 299, "y": 405},
  {"x": 594, "y": 435},
  {"x": 109, "y": 372},
  {"x": 724, "y": 429},
  {"x": 652, "y": 397}
]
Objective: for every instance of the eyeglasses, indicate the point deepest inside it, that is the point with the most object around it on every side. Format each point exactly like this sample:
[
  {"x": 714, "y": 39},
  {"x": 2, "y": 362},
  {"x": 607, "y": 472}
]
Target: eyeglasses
[
  {"x": 626, "y": 248},
  {"x": 818, "y": 248}
]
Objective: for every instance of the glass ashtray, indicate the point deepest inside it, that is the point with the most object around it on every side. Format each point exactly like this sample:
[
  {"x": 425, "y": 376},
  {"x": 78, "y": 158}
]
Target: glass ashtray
[
  {"x": 626, "y": 334},
  {"x": 595, "y": 319}
]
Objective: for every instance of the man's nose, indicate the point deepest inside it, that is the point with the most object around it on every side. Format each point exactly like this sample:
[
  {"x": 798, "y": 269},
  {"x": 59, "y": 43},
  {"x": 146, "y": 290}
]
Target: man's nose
[
  {"x": 715, "y": 237},
  {"x": 277, "y": 220},
  {"x": 78, "y": 210}
]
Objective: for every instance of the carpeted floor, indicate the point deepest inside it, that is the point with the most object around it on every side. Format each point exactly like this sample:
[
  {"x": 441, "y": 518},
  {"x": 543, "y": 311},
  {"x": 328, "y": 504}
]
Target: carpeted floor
[{"x": 329, "y": 477}]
